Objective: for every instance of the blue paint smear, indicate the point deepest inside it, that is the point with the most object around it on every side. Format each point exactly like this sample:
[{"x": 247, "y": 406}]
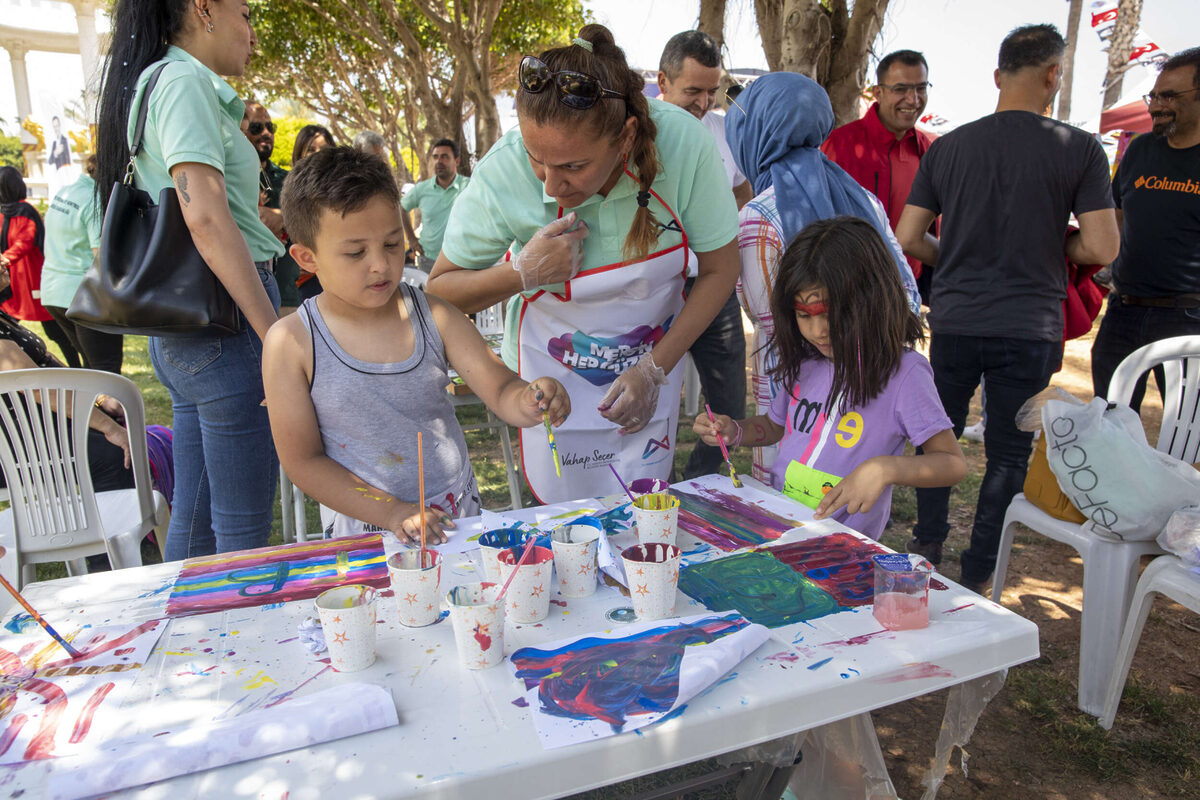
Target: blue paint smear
[
  {"x": 849, "y": 670},
  {"x": 20, "y": 623},
  {"x": 271, "y": 606},
  {"x": 820, "y": 663}
]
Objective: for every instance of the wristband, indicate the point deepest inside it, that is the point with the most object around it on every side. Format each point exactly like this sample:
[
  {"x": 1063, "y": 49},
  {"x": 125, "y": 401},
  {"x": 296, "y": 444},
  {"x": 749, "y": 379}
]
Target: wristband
[{"x": 738, "y": 440}]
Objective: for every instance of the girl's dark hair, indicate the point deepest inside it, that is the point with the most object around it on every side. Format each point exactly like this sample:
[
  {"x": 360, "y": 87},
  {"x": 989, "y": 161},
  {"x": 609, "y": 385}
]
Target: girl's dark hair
[
  {"x": 12, "y": 185},
  {"x": 306, "y": 135},
  {"x": 141, "y": 32},
  {"x": 605, "y": 62},
  {"x": 870, "y": 322}
]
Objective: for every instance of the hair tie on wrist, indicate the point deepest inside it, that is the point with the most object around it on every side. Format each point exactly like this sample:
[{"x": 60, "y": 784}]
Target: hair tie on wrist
[
  {"x": 584, "y": 43},
  {"x": 643, "y": 199}
]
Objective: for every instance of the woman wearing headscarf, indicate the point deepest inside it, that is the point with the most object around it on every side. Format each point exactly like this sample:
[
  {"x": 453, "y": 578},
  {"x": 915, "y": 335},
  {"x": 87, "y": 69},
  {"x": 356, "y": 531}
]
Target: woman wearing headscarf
[{"x": 775, "y": 128}]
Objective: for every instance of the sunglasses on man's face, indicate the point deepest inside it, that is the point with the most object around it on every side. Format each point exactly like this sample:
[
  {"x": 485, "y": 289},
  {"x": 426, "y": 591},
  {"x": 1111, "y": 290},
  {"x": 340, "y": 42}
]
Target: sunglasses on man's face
[
  {"x": 255, "y": 128},
  {"x": 575, "y": 89}
]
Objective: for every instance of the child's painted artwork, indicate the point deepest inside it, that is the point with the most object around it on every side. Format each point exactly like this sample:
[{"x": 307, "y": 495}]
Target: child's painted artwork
[
  {"x": 598, "y": 685},
  {"x": 839, "y": 563},
  {"x": 762, "y": 588},
  {"x": 726, "y": 521},
  {"x": 277, "y": 574},
  {"x": 52, "y": 704}
]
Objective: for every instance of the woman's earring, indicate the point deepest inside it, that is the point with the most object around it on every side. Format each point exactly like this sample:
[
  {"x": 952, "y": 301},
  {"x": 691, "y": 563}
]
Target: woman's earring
[{"x": 208, "y": 26}]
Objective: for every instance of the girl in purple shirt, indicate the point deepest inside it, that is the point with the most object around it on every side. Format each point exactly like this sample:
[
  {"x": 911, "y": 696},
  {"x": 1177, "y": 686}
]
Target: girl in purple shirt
[{"x": 852, "y": 391}]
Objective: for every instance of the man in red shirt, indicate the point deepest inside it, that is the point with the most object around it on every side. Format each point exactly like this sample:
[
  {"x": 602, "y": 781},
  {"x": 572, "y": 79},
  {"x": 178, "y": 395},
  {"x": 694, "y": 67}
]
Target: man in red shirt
[{"x": 881, "y": 151}]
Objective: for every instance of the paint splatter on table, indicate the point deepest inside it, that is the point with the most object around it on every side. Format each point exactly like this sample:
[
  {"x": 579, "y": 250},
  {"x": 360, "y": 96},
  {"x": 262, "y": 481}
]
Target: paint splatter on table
[{"x": 726, "y": 521}]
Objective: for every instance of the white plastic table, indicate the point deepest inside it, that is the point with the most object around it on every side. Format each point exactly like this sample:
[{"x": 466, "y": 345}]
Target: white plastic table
[{"x": 460, "y": 733}]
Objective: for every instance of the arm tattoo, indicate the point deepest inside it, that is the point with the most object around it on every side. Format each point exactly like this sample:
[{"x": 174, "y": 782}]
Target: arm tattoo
[{"x": 181, "y": 185}]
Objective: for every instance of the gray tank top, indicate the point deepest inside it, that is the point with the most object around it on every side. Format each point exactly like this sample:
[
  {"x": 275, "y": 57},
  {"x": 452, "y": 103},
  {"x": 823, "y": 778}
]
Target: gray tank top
[{"x": 369, "y": 415}]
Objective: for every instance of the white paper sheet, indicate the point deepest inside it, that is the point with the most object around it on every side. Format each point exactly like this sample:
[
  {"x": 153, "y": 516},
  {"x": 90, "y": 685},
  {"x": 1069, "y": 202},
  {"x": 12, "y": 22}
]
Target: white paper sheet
[
  {"x": 342, "y": 711},
  {"x": 701, "y": 666}
]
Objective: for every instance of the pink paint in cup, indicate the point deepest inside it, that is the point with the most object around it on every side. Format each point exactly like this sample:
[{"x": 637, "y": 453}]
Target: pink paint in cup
[
  {"x": 575, "y": 547},
  {"x": 348, "y": 621},
  {"x": 657, "y": 518},
  {"x": 653, "y": 574},
  {"x": 901, "y": 591},
  {"x": 528, "y": 596},
  {"x": 416, "y": 586},
  {"x": 478, "y": 622}
]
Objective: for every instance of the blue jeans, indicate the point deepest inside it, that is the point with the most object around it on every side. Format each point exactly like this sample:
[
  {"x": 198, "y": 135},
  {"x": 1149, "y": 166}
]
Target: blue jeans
[
  {"x": 1126, "y": 328},
  {"x": 225, "y": 466},
  {"x": 1015, "y": 370},
  {"x": 720, "y": 357}
]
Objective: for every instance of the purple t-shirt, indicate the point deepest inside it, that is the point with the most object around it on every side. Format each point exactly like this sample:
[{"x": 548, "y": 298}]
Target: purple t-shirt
[{"x": 908, "y": 409}]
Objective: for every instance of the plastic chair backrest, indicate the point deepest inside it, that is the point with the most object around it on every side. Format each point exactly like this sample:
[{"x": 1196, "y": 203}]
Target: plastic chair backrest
[
  {"x": 490, "y": 320},
  {"x": 1180, "y": 359},
  {"x": 414, "y": 277},
  {"x": 44, "y": 455}
]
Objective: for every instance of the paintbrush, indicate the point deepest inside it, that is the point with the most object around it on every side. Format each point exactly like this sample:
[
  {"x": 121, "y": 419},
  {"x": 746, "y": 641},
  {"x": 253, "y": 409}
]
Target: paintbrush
[
  {"x": 36, "y": 616},
  {"x": 524, "y": 557},
  {"x": 553, "y": 446},
  {"x": 632, "y": 499},
  {"x": 737, "y": 482},
  {"x": 421, "y": 493}
]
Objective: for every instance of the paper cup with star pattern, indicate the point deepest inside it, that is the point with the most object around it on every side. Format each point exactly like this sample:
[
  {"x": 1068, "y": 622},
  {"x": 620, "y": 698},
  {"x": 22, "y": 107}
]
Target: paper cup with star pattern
[
  {"x": 348, "y": 621},
  {"x": 575, "y": 546},
  {"x": 657, "y": 518},
  {"x": 478, "y": 622},
  {"x": 528, "y": 596},
  {"x": 653, "y": 574},
  {"x": 415, "y": 582}
]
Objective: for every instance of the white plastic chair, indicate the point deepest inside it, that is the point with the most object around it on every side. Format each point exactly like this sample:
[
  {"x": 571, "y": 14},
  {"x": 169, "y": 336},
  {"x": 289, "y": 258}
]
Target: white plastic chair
[
  {"x": 1110, "y": 567},
  {"x": 414, "y": 277},
  {"x": 293, "y": 511},
  {"x": 56, "y": 515},
  {"x": 1166, "y": 575}
]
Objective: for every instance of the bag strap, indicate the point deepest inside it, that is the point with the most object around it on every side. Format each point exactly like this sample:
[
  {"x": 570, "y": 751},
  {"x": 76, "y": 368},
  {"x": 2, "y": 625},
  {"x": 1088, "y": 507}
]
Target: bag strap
[{"x": 139, "y": 129}]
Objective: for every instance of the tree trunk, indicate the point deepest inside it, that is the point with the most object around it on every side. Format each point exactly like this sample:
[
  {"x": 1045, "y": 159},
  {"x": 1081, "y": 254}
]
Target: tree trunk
[
  {"x": 1129, "y": 14},
  {"x": 1068, "y": 75},
  {"x": 712, "y": 20},
  {"x": 769, "y": 13}
]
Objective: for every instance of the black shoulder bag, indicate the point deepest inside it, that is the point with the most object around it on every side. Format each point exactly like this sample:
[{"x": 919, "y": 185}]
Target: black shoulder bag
[{"x": 148, "y": 279}]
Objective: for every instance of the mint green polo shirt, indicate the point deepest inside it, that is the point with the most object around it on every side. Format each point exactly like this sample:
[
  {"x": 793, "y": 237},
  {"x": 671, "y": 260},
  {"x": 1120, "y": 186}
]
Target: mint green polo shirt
[
  {"x": 435, "y": 204},
  {"x": 72, "y": 230},
  {"x": 195, "y": 117},
  {"x": 506, "y": 204}
]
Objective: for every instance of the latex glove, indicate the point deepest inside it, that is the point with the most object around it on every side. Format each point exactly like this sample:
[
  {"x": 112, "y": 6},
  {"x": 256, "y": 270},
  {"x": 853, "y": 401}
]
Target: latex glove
[
  {"x": 633, "y": 397},
  {"x": 553, "y": 255}
]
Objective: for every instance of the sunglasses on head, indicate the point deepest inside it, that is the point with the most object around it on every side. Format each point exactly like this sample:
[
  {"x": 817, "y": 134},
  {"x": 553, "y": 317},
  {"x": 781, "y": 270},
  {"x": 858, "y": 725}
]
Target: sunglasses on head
[
  {"x": 575, "y": 89},
  {"x": 255, "y": 128}
]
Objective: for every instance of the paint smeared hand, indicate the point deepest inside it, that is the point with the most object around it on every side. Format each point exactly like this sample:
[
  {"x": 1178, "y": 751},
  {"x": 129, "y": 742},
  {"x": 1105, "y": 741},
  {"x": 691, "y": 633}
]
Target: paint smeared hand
[
  {"x": 546, "y": 396},
  {"x": 720, "y": 425},
  {"x": 406, "y": 524}
]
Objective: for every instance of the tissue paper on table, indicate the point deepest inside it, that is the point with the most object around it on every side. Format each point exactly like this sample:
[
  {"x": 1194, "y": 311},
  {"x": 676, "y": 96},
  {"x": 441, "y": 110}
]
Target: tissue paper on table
[{"x": 324, "y": 716}]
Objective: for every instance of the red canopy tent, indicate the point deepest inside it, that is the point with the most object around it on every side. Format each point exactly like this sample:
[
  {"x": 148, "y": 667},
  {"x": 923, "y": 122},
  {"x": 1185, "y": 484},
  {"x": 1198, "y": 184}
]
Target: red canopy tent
[{"x": 1128, "y": 117}]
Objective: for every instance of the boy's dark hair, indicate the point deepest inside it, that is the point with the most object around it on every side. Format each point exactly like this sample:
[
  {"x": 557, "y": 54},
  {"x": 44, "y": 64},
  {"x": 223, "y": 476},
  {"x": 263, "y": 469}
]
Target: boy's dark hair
[
  {"x": 341, "y": 179},
  {"x": 1185, "y": 58},
  {"x": 1030, "y": 46},
  {"x": 870, "y": 322},
  {"x": 689, "y": 44},
  {"x": 453, "y": 145},
  {"x": 909, "y": 58}
]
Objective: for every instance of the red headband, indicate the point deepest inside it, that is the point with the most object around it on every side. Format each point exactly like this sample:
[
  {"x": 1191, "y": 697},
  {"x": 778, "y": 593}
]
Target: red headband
[{"x": 813, "y": 309}]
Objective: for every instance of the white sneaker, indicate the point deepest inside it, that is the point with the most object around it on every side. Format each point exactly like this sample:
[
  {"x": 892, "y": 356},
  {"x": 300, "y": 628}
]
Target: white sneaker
[{"x": 974, "y": 433}]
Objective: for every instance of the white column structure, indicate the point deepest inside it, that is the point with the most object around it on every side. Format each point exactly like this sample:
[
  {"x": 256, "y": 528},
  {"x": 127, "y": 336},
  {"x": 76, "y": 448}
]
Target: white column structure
[
  {"x": 16, "y": 54},
  {"x": 89, "y": 52}
]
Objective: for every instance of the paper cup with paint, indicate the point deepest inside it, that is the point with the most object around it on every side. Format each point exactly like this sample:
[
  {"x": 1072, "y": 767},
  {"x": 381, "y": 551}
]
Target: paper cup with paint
[
  {"x": 902, "y": 591},
  {"x": 348, "y": 620},
  {"x": 415, "y": 582},
  {"x": 494, "y": 542},
  {"x": 478, "y": 622},
  {"x": 528, "y": 596},
  {"x": 653, "y": 573},
  {"x": 657, "y": 518},
  {"x": 648, "y": 486},
  {"x": 575, "y": 546}
]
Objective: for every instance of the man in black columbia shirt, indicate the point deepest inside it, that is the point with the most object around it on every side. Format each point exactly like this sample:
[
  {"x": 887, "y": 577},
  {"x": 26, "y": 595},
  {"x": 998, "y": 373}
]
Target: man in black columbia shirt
[{"x": 1157, "y": 192}]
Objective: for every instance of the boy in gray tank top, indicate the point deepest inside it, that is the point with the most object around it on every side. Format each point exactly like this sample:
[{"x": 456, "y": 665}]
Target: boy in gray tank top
[{"x": 363, "y": 367}]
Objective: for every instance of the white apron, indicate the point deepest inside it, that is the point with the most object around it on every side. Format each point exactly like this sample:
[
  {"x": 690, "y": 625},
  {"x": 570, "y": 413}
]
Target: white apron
[{"x": 602, "y": 324}]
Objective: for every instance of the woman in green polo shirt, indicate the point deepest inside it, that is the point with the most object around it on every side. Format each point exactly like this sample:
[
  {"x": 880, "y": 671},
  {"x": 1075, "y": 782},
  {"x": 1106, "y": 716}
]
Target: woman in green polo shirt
[
  {"x": 225, "y": 466},
  {"x": 607, "y": 197}
]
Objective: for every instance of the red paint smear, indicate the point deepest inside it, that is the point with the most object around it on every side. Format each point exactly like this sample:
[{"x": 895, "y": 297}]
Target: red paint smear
[
  {"x": 863, "y": 639},
  {"x": 913, "y": 672},
  {"x": 957, "y": 608},
  {"x": 107, "y": 646},
  {"x": 791, "y": 658},
  {"x": 42, "y": 744},
  {"x": 124, "y": 651},
  {"x": 84, "y": 724},
  {"x": 562, "y": 603},
  {"x": 484, "y": 640},
  {"x": 11, "y": 733},
  {"x": 934, "y": 583}
]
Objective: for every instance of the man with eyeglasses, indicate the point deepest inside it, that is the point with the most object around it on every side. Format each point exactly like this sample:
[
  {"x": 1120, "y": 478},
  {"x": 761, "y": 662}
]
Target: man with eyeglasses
[
  {"x": 882, "y": 150},
  {"x": 1005, "y": 186},
  {"x": 1156, "y": 278},
  {"x": 260, "y": 130}
]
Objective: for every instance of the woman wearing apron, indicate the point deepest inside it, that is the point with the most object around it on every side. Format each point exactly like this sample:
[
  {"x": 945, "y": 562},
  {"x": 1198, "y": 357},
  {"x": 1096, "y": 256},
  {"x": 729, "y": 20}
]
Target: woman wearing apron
[{"x": 607, "y": 197}]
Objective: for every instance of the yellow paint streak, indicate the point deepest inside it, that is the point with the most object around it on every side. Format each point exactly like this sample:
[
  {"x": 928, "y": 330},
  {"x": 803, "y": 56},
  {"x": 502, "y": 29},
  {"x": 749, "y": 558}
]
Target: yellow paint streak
[{"x": 260, "y": 680}]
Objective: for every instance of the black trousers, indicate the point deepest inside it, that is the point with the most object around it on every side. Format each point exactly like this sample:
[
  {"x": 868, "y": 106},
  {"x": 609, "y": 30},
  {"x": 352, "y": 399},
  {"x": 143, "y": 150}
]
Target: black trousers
[{"x": 98, "y": 350}]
